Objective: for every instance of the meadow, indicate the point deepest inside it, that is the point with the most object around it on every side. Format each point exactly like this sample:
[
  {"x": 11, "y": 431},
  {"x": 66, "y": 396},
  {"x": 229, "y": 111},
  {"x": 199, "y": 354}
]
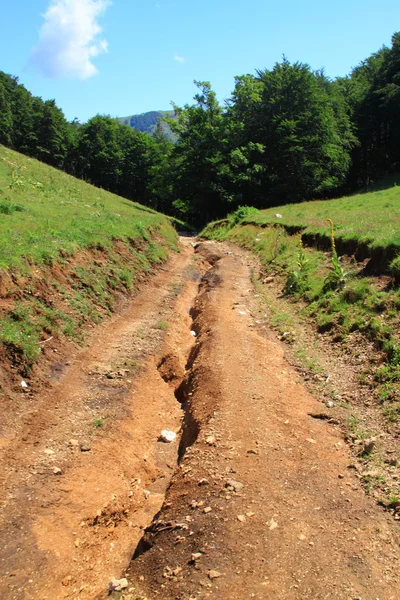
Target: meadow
[{"x": 67, "y": 250}]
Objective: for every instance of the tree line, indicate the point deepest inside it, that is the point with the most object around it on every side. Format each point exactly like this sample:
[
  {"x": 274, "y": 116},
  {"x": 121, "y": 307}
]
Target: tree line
[{"x": 285, "y": 135}]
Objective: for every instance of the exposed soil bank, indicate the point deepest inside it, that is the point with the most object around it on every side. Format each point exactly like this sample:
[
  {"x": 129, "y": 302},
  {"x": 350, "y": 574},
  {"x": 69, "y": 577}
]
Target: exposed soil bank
[{"x": 263, "y": 504}]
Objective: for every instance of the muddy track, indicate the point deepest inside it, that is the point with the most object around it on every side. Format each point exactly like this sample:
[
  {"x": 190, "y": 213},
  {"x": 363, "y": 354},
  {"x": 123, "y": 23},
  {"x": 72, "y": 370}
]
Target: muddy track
[{"x": 254, "y": 499}]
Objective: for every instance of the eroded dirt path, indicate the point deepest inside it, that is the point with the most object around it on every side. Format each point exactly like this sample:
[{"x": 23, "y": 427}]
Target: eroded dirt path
[
  {"x": 254, "y": 500},
  {"x": 263, "y": 504}
]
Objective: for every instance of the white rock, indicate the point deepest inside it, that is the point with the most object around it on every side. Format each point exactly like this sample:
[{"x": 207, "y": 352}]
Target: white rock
[
  {"x": 193, "y": 333},
  {"x": 167, "y": 436},
  {"x": 278, "y": 216},
  {"x": 24, "y": 385}
]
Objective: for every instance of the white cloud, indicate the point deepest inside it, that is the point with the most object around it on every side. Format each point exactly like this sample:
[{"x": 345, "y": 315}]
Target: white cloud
[
  {"x": 179, "y": 58},
  {"x": 68, "y": 39}
]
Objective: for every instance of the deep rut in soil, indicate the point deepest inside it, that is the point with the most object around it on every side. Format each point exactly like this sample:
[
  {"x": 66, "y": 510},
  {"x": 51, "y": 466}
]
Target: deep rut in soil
[{"x": 69, "y": 533}]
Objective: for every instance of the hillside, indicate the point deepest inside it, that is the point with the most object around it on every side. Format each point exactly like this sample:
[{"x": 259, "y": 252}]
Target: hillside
[
  {"x": 67, "y": 251},
  {"x": 147, "y": 122}
]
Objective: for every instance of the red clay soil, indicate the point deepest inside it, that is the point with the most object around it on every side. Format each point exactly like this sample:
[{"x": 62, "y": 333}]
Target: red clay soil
[
  {"x": 263, "y": 504},
  {"x": 255, "y": 500}
]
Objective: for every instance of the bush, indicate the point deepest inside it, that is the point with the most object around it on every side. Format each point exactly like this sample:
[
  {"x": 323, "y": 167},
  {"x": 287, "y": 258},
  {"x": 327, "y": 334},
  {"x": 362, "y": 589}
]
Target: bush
[{"x": 243, "y": 212}]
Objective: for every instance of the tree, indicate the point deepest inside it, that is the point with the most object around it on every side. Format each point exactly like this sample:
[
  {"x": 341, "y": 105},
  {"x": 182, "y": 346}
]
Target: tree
[
  {"x": 199, "y": 159},
  {"x": 99, "y": 155},
  {"x": 6, "y": 120}
]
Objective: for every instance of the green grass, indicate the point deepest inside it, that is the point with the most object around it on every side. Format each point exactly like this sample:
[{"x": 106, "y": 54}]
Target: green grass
[
  {"x": 372, "y": 218},
  {"x": 47, "y": 215},
  {"x": 67, "y": 249}
]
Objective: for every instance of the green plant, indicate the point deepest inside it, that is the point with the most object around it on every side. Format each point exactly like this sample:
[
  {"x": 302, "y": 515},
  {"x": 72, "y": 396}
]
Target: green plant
[
  {"x": 241, "y": 213},
  {"x": 99, "y": 422},
  {"x": 297, "y": 279},
  {"x": 336, "y": 277}
]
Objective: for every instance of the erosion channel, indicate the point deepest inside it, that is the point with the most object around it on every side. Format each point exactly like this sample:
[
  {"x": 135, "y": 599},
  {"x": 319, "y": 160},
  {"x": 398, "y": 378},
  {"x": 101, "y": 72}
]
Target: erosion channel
[{"x": 254, "y": 499}]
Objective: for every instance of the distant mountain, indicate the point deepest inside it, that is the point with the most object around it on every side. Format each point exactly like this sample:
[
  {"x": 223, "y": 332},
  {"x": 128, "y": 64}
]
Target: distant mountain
[{"x": 148, "y": 121}]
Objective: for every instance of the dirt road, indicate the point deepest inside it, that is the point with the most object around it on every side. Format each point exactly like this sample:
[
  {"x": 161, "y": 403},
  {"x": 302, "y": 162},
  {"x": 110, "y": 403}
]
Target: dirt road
[{"x": 255, "y": 500}]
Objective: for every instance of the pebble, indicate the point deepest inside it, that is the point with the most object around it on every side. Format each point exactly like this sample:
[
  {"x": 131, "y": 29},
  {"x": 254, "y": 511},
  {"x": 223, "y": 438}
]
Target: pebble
[
  {"x": 204, "y": 481},
  {"x": 167, "y": 436},
  {"x": 117, "y": 585},
  {"x": 214, "y": 574},
  {"x": 196, "y": 556},
  {"x": 210, "y": 440},
  {"x": 57, "y": 471},
  {"x": 207, "y": 510},
  {"x": 48, "y": 451},
  {"x": 272, "y": 524},
  {"x": 85, "y": 447},
  {"x": 236, "y": 485},
  {"x": 241, "y": 518}
]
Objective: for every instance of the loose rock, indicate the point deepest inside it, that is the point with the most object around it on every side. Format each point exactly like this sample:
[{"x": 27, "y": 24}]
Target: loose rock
[
  {"x": 167, "y": 436},
  {"x": 214, "y": 574},
  {"x": 117, "y": 585},
  {"x": 235, "y": 485}
]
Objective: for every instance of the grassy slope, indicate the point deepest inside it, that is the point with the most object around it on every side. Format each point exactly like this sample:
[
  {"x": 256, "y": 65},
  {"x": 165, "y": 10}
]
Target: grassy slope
[
  {"x": 372, "y": 218},
  {"x": 66, "y": 250}
]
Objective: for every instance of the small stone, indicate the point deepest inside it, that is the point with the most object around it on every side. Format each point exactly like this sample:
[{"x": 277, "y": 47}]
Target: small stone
[
  {"x": 24, "y": 385},
  {"x": 302, "y": 537},
  {"x": 330, "y": 404},
  {"x": 57, "y": 471},
  {"x": 85, "y": 447},
  {"x": 341, "y": 476},
  {"x": 368, "y": 446},
  {"x": 207, "y": 510},
  {"x": 250, "y": 514},
  {"x": 214, "y": 574},
  {"x": 167, "y": 436},
  {"x": 73, "y": 443},
  {"x": 204, "y": 481},
  {"x": 117, "y": 585},
  {"x": 236, "y": 485},
  {"x": 176, "y": 571},
  {"x": 241, "y": 518},
  {"x": 66, "y": 581},
  {"x": 311, "y": 441},
  {"x": 196, "y": 556},
  {"x": 49, "y": 452},
  {"x": 272, "y": 524},
  {"x": 210, "y": 440}
]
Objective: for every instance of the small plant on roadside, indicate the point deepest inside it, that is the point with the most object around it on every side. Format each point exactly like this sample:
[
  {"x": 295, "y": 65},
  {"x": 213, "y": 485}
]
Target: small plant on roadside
[
  {"x": 98, "y": 422},
  {"x": 297, "y": 279},
  {"x": 162, "y": 325},
  {"x": 336, "y": 277}
]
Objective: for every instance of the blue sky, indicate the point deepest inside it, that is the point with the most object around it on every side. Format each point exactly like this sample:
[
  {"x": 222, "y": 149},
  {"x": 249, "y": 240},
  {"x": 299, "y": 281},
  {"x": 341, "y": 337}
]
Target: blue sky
[{"x": 124, "y": 57}]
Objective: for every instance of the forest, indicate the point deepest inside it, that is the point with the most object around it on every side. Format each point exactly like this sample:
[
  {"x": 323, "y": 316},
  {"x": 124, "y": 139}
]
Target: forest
[{"x": 285, "y": 135}]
